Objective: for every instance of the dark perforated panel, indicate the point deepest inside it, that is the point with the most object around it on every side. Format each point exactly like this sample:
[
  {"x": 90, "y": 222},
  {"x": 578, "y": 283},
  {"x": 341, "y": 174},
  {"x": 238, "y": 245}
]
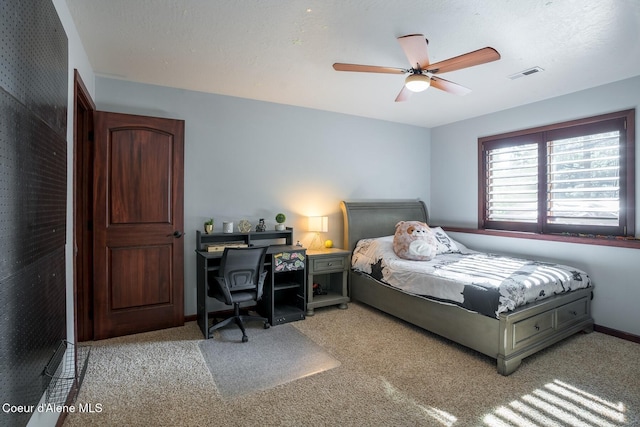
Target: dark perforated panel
[
  {"x": 33, "y": 301},
  {"x": 33, "y": 49},
  {"x": 33, "y": 188},
  {"x": 33, "y": 193}
]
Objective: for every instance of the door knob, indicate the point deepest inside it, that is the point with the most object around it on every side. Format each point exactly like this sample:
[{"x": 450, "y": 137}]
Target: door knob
[{"x": 177, "y": 234}]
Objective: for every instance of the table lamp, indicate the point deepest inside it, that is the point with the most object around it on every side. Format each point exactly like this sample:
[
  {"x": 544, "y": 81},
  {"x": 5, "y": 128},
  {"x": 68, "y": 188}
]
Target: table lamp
[{"x": 318, "y": 224}]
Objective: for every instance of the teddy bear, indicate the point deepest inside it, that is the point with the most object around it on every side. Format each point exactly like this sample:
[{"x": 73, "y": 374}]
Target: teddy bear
[{"x": 414, "y": 240}]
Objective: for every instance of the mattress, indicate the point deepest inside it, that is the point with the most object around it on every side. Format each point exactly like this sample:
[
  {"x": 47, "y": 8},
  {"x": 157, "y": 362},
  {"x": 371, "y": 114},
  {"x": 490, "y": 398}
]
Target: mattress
[{"x": 485, "y": 283}]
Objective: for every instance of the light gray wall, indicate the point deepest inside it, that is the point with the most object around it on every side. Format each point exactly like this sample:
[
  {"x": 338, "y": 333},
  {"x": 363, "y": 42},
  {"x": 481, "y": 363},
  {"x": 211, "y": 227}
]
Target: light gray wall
[
  {"x": 454, "y": 195},
  {"x": 251, "y": 159},
  {"x": 77, "y": 60}
]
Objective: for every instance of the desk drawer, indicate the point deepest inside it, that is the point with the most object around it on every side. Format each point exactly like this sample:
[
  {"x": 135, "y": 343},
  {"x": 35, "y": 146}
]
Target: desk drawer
[
  {"x": 532, "y": 327},
  {"x": 328, "y": 264}
]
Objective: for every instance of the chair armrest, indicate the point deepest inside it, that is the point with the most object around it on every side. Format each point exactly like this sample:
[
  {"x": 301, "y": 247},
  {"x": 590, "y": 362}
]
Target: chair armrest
[{"x": 263, "y": 275}]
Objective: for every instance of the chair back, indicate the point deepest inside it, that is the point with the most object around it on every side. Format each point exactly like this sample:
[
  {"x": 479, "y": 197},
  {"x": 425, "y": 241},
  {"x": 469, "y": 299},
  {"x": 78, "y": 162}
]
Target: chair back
[{"x": 242, "y": 268}]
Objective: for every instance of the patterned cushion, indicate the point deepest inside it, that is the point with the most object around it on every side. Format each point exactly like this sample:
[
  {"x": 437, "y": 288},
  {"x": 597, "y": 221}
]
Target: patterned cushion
[{"x": 446, "y": 245}]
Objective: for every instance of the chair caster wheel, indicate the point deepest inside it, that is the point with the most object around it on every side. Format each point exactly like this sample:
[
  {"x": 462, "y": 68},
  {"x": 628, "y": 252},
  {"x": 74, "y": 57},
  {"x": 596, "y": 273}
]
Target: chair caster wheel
[
  {"x": 245, "y": 338},
  {"x": 267, "y": 325}
]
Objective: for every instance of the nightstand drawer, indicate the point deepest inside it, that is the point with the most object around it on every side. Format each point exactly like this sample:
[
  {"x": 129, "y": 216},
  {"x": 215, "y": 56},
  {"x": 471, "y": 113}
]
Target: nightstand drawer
[{"x": 328, "y": 264}]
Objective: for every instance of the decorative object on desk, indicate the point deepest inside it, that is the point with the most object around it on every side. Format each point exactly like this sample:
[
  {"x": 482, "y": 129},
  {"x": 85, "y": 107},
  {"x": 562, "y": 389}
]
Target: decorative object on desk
[
  {"x": 244, "y": 226},
  {"x": 227, "y": 227},
  {"x": 280, "y": 219},
  {"x": 328, "y": 243},
  {"x": 208, "y": 226},
  {"x": 318, "y": 224},
  {"x": 261, "y": 225}
]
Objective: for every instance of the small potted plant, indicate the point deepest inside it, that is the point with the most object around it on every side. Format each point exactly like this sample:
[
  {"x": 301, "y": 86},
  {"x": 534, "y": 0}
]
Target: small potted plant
[
  {"x": 280, "y": 219},
  {"x": 208, "y": 226}
]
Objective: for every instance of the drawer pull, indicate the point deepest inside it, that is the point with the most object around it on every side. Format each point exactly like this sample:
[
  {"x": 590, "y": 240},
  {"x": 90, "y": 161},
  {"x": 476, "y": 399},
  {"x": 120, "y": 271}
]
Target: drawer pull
[
  {"x": 575, "y": 313},
  {"x": 537, "y": 327},
  {"x": 329, "y": 264}
]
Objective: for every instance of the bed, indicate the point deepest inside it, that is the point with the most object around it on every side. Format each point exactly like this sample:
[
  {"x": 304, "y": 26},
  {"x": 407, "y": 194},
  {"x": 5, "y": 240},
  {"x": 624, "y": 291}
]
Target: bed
[{"x": 507, "y": 336}]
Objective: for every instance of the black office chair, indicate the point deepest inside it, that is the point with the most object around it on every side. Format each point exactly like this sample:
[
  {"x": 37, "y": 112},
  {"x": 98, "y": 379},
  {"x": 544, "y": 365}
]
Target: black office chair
[{"x": 241, "y": 279}]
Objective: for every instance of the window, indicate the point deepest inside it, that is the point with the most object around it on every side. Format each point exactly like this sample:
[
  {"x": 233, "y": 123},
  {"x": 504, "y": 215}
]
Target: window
[{"x": 574, "y": 177}]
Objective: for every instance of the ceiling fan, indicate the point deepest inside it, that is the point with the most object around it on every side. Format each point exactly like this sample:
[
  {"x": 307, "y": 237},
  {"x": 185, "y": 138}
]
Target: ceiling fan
[{"x": 422, "y": 73}]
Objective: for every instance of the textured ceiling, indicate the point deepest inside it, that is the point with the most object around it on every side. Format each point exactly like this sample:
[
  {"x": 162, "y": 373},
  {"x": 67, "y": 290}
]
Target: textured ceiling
[{"x": 282, "y": 50}]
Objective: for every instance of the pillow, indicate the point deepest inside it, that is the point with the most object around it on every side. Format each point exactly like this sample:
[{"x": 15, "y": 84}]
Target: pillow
[
  {"x": 414, "y": 240},
  {"x": 445, "y": 244}
]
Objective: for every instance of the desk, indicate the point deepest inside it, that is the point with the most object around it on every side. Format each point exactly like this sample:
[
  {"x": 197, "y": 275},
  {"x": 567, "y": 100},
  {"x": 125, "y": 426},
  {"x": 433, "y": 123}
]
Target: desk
[{"x": 284, "y": 296}]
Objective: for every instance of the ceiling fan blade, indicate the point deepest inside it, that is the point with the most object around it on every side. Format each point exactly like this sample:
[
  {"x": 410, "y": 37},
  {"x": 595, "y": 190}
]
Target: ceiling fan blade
[
  {"x": 477, "y": 57},
  {"x": 368, "y": 68},
  {"x": 404, "y": 95},
  {"x": 447, "y": 86},
  {"x": 415, "y": 47}
]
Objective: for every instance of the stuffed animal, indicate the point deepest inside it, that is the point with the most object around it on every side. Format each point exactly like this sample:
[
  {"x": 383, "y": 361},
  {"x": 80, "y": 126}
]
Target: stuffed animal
[{"x": 415, "y": 241}]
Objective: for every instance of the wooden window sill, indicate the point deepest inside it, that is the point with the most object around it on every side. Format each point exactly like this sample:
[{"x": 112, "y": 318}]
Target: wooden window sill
[{"x": 633, "y": 243}]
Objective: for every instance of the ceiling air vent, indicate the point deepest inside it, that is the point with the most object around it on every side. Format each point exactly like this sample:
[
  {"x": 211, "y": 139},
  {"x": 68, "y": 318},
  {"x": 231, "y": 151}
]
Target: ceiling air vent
[{"x": 526, "y": 72}]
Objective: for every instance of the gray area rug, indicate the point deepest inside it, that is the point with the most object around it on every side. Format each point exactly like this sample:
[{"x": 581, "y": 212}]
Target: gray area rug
[{"x": 271, "y": 357}]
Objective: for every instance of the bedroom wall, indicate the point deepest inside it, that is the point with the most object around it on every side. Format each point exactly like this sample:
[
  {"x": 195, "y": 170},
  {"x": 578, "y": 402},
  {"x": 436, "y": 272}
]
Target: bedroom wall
[
  {"x": 454, "y": 199},
  {"x": 251, "y": 159},
  {"x": 77, "y": 60}
]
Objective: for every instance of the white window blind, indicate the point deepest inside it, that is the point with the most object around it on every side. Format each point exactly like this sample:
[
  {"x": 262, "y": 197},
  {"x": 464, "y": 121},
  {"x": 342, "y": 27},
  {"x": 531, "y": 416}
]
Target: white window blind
[
  {"x": 512, "y": 183},
  {"x": 583, "y": 180}
]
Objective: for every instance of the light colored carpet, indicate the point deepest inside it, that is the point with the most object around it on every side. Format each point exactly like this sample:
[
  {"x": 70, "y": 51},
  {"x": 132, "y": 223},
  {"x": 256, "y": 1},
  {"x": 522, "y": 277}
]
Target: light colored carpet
[
  {"x": 391, "y": 374},
  {"x": 271, "y": 357}
]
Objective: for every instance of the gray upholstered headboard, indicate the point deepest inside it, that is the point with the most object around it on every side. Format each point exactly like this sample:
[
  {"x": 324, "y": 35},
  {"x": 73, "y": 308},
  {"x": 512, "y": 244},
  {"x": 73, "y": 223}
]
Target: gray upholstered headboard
[{"x": 377, "y": 218}]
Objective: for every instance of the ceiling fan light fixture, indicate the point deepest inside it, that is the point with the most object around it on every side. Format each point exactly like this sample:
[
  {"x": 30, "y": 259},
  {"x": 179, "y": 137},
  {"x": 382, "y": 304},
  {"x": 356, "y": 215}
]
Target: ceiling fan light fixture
[{"x": 417, "y": 82}]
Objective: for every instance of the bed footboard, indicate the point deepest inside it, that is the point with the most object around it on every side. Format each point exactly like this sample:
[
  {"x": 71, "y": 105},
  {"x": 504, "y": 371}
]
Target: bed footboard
[{"x": 534, "y": 327}]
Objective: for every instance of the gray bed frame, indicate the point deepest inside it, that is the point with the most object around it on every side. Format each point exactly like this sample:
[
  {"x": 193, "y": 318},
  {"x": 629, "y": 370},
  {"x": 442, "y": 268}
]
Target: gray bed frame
[{"x": 509, "y": 339}]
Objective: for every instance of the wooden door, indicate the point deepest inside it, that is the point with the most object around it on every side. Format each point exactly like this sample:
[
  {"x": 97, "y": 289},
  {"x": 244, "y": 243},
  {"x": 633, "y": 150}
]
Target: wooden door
[
  {"x": 138, "y": 224},
  {"x": 84, "y": 109}
]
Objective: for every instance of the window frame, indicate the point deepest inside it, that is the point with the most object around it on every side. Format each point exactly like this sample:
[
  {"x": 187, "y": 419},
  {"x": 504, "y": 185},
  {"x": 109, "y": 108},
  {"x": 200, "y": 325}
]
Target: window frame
[{"x": 540, "y": 136}]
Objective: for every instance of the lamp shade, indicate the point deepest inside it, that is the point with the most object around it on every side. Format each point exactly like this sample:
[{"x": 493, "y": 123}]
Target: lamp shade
[
  {"x": 319, "y": 224},
  {"x": 417, "y": 82}
]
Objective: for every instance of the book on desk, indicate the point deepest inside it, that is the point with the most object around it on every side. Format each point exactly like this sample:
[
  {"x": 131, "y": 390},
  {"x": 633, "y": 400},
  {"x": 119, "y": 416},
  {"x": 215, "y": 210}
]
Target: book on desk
[{"x": 219, "y": 247}]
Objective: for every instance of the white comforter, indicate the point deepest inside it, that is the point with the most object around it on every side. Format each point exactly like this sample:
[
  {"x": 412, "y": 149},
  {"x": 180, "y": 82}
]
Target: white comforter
[{"x": 486, "y": 283}]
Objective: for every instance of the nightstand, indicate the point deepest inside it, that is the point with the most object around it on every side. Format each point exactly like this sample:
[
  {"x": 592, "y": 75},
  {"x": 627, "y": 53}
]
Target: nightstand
[{"x": 328, "y": 269}]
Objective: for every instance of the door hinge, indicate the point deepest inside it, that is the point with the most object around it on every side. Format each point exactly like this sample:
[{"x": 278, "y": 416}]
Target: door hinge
[
  {"x": 90, "y": 135},
  {"x": 90, "y": 225}
]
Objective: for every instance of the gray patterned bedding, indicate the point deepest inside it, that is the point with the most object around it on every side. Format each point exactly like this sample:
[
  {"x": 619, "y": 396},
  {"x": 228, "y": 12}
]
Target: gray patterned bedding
[{"x": 481, "y": 282}]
